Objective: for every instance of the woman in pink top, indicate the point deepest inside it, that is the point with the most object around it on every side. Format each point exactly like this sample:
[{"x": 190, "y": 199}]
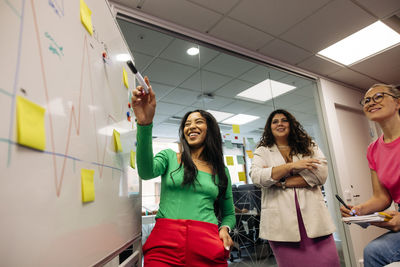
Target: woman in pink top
[{"x": 381, "y": 104}]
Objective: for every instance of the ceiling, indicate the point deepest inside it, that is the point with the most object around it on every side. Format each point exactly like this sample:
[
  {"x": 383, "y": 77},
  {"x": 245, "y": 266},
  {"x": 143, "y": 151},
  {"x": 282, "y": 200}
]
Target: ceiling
[{"x": 289, "y": 31}]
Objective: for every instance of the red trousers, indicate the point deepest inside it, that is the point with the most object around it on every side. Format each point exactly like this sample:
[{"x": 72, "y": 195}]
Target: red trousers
[{"x": 184, "y": 243}]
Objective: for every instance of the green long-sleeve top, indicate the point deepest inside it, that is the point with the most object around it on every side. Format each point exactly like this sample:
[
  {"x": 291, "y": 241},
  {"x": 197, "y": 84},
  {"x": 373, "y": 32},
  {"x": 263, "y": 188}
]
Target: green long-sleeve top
[{"x": 177, "y": 202}]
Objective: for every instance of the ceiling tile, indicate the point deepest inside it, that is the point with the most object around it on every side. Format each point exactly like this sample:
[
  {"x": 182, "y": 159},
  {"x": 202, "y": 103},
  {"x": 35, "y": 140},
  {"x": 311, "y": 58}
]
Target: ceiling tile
[
  {"x": 143, "y": 40},
  {"x": 239, "y": 106},
  {"x": 167, "y": 72},
  {"x": 261, "y": 73},
  {"x": 142, "y": 61},
  {"x": 238, "y": 33},
  {"x": 318, "y": 65},
  {"x": 274, "y": 16},
  {"x": 353, "y": 78},
  {"x": 182, "y": 13},
  {"x": 160, "y": 89},
  {"x": 233, "y": 88},
  {"x": 381, "y": 8},
  {"x": 229, "y": 65},
  {"x": 179, "y": 96},
  {"x": 216, "y": 104},
  {"x": 382, "y": 67},
  {"x": 166, "y": 130},
  {"x": 176, "y": 52},
  {"x": 211, "y": 81},
  {"x": 330, "y": 24},
  {"x": 221, "y": 6},
  {"x": 285, "y": 52},
  {"x": 168, "y": 109},
  {"x": 289, "y": 100}
]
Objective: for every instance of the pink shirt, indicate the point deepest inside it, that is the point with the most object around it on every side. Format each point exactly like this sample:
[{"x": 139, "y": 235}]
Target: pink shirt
[{"x": 384, "y": 158}]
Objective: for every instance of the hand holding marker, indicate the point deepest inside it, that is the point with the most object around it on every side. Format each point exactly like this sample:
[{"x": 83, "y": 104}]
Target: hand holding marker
[{"x": 138, "y": 76}]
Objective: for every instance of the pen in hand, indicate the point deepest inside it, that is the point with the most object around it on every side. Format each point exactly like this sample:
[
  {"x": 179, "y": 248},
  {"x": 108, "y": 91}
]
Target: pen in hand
[{"x": 341, "y": 201}]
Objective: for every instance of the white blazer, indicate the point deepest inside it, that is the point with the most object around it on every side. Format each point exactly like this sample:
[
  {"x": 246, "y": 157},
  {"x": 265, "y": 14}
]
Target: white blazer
[{"x": 278, "y": 210}]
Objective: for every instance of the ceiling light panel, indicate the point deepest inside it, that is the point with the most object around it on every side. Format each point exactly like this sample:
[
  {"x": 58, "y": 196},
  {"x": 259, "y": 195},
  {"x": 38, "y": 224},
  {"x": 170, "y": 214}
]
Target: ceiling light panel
[
  {"x": 240, "y": 119},
  {"x": 369, "y": 41},
  {"x": 265, "y": 91},
  {"x": 219, "y": 115}
]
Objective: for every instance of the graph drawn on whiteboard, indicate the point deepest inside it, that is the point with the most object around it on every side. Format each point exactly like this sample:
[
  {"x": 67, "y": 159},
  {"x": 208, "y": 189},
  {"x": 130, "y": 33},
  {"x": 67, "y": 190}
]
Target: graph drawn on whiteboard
[{"x": 72, "y": 198}]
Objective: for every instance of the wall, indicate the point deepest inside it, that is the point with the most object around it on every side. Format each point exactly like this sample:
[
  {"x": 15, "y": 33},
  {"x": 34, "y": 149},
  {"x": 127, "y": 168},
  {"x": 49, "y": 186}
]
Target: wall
[{"x": 349, "y": 134}]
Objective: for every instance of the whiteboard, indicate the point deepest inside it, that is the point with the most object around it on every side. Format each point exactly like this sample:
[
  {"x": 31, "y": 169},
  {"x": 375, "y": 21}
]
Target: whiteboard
[{"x": 48, "y": 57}]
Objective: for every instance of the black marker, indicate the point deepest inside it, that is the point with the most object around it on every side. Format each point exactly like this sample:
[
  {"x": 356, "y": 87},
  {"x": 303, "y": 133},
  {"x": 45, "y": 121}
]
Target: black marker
[
  {"x": 138, "y": 76},
  {"x": 341, "y": 201}
]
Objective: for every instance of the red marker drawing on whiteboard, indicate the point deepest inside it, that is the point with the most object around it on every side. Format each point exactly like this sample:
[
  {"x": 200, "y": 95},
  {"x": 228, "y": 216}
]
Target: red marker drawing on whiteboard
[{"x": 138, "y": 76}]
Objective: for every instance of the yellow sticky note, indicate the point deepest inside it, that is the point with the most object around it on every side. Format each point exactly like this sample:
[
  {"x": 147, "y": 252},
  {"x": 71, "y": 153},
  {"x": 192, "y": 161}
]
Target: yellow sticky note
[
  {"x": 30, "y": 124},
  {"x": 117, "y": 141},
  {"x": 229, "y": 160},
  {"x": 87, "y": 181},
  {"x": 250, "y": 154},
  {"x": 125, "y": 77},
  {"x": 235, "y": 128},
  {"x": 242, "y": 176},
  {"x": 133, "y": 159},
  {"x": 86, "y": 17}
]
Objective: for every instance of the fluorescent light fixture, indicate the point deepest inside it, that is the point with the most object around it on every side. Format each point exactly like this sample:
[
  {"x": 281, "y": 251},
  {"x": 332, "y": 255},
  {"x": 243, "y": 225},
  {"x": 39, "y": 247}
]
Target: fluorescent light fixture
[
  {"x": 193, "y": 51},
  {"x": 123, "y": 57},
  {"x": 219, "y": 115},
  {"x": 362, "y": 44},
  {"x": 240, "y": 119},
  {"x": 265, "y": 90}
]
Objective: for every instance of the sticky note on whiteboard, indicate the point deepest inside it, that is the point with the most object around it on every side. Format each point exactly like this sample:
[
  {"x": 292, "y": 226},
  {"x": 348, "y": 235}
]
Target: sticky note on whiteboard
[
  {"x": 87, "y": 183},
  {"x": 133, "y": 159},
  {"x": 30, "y": 124},
  {"x": 125, "y": 77},
  {"x": 229, "y": 160},
  {"x": 117, "y": 141},
  {"x": 250, "y": 154},
  {"x": 86, "y": 17},
  {"x": 242, "y": 176},
  {"x": 235, "y": 128}
]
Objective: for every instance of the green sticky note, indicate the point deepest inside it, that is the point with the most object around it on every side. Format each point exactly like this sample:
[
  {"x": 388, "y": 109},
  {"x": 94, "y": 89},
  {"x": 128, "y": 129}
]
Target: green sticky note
[
  {"x": 240, "y": 159},
  {"x": 87, "y": 181},
  {"x": 228, "y": 144},
  {"x": 251, "y": 141},
  {"x": 117, "y": 141},
  {"x": 133, "y": 159},
  {"x": 229, "y": 160},
  {"x": 86, "y": 16},
  {"x": 30, "y": 124}
]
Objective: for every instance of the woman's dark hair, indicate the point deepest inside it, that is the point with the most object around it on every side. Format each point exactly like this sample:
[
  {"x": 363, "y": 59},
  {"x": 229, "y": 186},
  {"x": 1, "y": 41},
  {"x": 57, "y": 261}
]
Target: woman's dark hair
[
  {"x": 212, "y": 153},
  {"x": 299, "y": 141}
]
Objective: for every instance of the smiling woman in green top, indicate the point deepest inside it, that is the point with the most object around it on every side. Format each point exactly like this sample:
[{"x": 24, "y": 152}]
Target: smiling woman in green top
[{"x": 195, "y": 185}]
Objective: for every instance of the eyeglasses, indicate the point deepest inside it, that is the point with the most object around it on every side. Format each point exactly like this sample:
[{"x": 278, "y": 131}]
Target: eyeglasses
[{"x": 378, "y": 97}]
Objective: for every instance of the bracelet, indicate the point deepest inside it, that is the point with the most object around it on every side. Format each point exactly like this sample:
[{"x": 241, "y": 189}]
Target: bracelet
[{"x": 283, "y": 182}]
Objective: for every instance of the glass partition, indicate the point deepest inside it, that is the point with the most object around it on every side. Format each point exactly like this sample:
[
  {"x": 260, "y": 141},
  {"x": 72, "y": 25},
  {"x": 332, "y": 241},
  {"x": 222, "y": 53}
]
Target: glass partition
[{"x": 227, "y": 85}]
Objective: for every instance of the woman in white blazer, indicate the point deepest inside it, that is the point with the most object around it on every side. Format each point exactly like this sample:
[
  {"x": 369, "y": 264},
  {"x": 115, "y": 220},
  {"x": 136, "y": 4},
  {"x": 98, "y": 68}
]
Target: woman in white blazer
[{"x": 290, "y": 169}]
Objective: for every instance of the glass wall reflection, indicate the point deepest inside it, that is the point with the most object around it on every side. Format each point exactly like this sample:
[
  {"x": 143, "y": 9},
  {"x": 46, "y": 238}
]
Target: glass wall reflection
[{"x": 217, "y": 81}]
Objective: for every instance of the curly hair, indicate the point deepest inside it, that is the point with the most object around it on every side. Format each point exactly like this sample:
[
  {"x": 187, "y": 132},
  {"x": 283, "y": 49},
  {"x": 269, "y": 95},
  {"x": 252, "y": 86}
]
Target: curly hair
[{"x": 299, "y": 141}]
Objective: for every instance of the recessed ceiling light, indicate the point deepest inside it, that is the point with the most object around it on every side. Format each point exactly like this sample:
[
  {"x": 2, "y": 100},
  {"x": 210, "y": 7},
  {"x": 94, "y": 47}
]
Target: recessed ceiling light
[
  {"x": 240, "y": 119},
  {"x": 219, "y": 115},
  {"x": 265, "y": 90},
  {"x": 193, "y": 51},
  {"x": 123, "y": 57},
  {"x": 366, "y": 42}
]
